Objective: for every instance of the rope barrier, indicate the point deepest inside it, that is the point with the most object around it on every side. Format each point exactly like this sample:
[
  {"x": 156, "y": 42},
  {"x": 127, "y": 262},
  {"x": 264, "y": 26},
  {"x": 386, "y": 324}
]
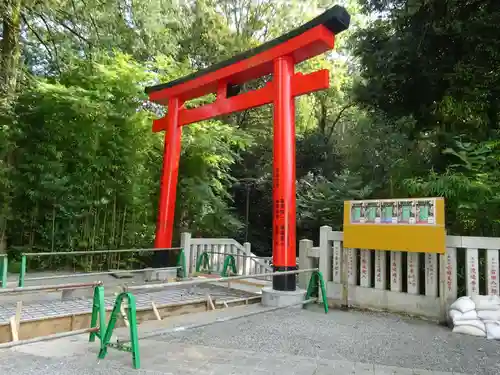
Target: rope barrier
[
  {"x": 214, "y": 280},
  {"x": 85, "y": 274},
  {"x": 181, "y": 263},
  {"x": 218, "y": 320},
  {"x": 48, "y": 338},
  {"x": 131, "y": 345},
  {"x": 56, "y": 287}
]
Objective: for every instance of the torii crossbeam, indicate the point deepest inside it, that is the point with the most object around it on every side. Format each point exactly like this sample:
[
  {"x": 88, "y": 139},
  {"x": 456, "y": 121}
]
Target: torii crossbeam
[{"x": 277, "y": 57}]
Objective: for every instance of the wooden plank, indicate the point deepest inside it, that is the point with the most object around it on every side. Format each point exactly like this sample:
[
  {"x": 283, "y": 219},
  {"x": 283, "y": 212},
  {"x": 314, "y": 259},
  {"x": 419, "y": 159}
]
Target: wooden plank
[
  {"x": 52, "y": 325},
  {"x": 155, "y": 310},
  {"x": 210, "y": 302},
  {"x": 19, "y": 308},
  {"x": 13, "y": 329}
]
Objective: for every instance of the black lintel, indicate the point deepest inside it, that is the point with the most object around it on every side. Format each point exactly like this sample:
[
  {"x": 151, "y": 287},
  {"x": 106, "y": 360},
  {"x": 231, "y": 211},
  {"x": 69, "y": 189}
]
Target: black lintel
[{"x": 336, "y": 19}]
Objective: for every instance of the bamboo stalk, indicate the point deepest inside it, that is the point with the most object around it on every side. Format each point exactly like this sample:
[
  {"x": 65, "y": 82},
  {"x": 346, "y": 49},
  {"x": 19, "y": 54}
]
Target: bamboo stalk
[{"x": 53, "y": 227}]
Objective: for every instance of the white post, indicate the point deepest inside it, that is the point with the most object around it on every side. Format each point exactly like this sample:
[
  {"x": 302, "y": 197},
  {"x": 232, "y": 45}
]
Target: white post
[
  {"x": 305, "y": 262},
  {"x": 325, "y": 252},
  {"x": 396, "y": 272},
  {"x": 492, "y": 272},
  {"x": 450, "y": 269},
  {"x": 431, "y": 275},
  {"x": 472, "y": 272},
  {"x": 380, "y": 269},
  {"x": 337, "y": 262},
  {"x": 186, "y": 246},
  {"x": 247, "y": 261},
  {"x": 365, "y": 268},
  {"x": 413, "y": 273},
  {"x": 352, "y": 269}
]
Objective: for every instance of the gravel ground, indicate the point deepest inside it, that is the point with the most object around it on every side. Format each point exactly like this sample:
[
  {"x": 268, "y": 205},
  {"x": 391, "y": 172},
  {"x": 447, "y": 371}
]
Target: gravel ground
[
  {"x": 301, "y": 339},
  {"x": 353, "y": 336}
]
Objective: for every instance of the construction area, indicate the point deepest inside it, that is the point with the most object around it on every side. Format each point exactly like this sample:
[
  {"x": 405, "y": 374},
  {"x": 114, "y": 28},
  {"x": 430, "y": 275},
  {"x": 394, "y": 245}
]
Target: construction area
[
  {"x": 221, "y": 327},
  {"x": 287, "y": 341}
]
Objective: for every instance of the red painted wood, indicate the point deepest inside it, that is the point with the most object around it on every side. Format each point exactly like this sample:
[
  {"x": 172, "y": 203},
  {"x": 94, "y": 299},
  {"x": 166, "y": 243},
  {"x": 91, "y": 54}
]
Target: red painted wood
[
  {"x": 305, "y": 46},
  {"x": 284, "y": 227},
  {"x": 168, "y": 187},
  {"x": 279, "y": 61},
  {"x": 301, "y": 84}
]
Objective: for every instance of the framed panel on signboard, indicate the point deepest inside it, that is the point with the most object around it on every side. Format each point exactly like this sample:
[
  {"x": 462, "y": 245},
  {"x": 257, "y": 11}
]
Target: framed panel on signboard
[{"x": 395, "y": 224}]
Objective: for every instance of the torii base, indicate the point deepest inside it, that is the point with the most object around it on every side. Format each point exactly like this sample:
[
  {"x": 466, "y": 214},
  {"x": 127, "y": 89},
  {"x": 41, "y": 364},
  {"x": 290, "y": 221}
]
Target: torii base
[{"x": 279, "y": 298}]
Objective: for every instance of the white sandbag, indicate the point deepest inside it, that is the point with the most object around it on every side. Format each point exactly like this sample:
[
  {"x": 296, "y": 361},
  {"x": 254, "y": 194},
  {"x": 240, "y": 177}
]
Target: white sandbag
[
  {"x": 486, "y": 302},
  {"x": 492, "y": 330},
  {"x": 489, "y": 315},
  {"x": 456, "y": 315},
  {"x": 469, "y": 330},
  {"x": 463, "y": 304},
  {"x": 471, "y": 323}
]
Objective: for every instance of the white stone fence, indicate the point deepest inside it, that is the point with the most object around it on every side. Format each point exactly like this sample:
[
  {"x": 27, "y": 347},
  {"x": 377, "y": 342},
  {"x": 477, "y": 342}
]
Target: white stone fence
[
  {"x": 413, "y": 283},
  {"x": 217, "y": 249}
]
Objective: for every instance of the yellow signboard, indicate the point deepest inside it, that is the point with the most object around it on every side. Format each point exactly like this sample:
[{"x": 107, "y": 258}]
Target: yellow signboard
[{"x": 413, "y": 225}]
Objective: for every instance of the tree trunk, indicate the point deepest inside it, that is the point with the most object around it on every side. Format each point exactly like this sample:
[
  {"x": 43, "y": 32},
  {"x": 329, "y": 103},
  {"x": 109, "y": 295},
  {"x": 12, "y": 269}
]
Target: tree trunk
[{"x": 10, "y": 53}]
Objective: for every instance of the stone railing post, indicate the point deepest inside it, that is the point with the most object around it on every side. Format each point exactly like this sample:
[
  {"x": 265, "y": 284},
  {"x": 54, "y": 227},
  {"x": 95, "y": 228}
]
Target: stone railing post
[
  {"x": 186, "y": 245},
  {"x": 247, "y": 262},
  {"x": 325, "y": 253},
  {"x": 305, "y": 262}
]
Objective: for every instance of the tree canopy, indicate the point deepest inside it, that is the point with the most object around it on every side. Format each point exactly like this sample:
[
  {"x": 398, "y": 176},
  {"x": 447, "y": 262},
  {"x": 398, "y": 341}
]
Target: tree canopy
[{"x": 413, "y": 110}]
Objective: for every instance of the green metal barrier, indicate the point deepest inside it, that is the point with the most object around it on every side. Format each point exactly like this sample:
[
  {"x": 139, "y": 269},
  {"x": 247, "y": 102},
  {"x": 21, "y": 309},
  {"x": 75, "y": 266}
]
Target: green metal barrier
[
  {"x": 132, "y": 345},
  {"x": 98, "y": 314},
  {"x": 4, "y": 265},
  {"x": 22, "y": 271},
  {"x": 181, "y": 263},
  {"x": 315, "y": 283},
  {"x": 229, "y": 261},
  {"x": 132, "y": 319},
  {"x": 203, "y": 263}
]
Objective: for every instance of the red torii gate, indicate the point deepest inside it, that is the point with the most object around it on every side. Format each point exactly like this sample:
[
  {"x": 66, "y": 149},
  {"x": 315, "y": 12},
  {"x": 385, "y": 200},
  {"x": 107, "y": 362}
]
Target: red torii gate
[{"x": 277, "y": 57}]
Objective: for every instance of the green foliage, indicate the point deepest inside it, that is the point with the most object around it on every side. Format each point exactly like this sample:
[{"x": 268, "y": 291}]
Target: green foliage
[
  {"x": 321, "y": 200},
  {"x": 412, "y": 111},
  {"x": 430, "y": 68},
  {"x": 470, "y": 187}
]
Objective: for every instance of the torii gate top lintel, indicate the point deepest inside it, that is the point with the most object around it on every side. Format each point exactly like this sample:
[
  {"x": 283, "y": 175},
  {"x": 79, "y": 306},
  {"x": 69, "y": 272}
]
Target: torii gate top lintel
[
  {"x": 302, "y": 43},
  {"x": 277, "y": 57}
]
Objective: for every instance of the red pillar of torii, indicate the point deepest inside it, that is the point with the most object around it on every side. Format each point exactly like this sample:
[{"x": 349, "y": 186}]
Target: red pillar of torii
[{"x": 277, "y": 57}]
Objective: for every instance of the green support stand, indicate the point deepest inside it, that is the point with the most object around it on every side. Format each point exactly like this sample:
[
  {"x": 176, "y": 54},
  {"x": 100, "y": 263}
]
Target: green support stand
[
  {"x": 98, "y": 314},
  {"x": 181, "y": 263},
  {"x": 4, "y": 264},
  {"x": 229, "y": 261},
  {"x": 315, "y": 282},
  {"x": 22, "y": 271},
  {"x": 203, "y": 263},
  {"x": 134, "y": 339}
]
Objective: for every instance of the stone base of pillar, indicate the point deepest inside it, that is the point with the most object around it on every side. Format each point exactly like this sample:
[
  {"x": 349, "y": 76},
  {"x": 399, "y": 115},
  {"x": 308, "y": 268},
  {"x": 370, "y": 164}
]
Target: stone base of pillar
[{"x": 279, "y": 298}]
